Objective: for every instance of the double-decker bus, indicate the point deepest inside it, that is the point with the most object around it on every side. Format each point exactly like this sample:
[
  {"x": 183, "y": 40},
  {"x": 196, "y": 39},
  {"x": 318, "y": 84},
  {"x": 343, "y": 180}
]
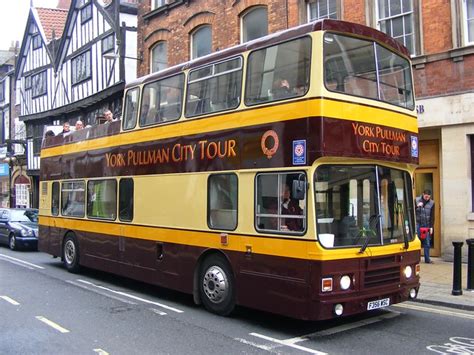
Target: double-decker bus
[{"x": 276, "y": 175}]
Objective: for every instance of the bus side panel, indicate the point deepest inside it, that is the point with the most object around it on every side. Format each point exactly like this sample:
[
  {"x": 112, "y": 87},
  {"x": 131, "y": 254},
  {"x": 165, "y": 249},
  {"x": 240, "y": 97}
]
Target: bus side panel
[
  {"x": 99, "y": 251},
  {"x": 274, "y": 284}
]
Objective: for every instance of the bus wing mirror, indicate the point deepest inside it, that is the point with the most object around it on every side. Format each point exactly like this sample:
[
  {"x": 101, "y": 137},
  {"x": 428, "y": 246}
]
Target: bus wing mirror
[{"x": 298, "y": 191}]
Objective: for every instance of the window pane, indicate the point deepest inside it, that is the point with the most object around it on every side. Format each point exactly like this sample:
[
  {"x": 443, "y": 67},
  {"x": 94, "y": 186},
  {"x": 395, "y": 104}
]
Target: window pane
[
  {"x": 278, "y": 72},
  {"x": 222, "y": 201},
  {"x": 321, "y": 9},
  {"x": 397, "y": 27},
  {"x": 219, "y": 90},
  {"x": 350, "y": 66},
  {"x": 55, "y": 199},
  {"x": 394, "y": 78},
  {"x": 255, "y": 24},
  {"x": 102, "y": 199},
  {"x": 73, "y": 198},
  {"x": 201, "y": 42},
  {"x": 131, "y": 109},
  {"x": 126, "y": 200},
  {"x": 159, "y": 57},
  {"x": 396, "y": 20},
  {"x": 277, "y": 209},
  {"x": 356, "y": 205},
  {"x": 162, "y": 101}
]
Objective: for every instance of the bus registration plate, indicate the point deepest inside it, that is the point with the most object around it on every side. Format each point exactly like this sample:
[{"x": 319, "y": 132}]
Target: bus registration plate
[{"x": 378, "y": 304}]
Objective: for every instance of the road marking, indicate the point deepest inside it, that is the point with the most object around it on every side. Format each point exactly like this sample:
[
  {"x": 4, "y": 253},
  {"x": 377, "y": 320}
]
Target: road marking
[
  {"x": 10, "y": 300},
  {"x": 100, "y": 292},
  {"x": 22, "y": 261},
  {"x": 52, "y": 324},
  {"x": 132, "y": 297},
  {"x": 289, "y": 344},
  {"x": 157, "y": 311},
  {"x": 262, "y": 347},
  {"x": 434, "y": 310},
  {"x": 345, "y": 327},
  {"x": 101, "y": 352}
]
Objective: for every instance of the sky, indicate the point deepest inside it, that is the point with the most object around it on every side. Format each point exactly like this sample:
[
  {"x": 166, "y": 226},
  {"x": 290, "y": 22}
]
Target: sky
[{"x": 13, "y": 16}]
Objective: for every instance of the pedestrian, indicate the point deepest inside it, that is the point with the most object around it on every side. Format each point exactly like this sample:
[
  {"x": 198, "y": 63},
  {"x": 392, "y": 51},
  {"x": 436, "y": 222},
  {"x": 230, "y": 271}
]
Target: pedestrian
[{"x": 425, "y": 216}]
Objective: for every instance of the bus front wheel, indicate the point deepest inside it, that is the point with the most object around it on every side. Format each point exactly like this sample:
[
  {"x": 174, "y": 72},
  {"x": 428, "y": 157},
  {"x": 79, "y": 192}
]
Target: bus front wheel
[
  {"x": 71, "y": 253},
  {"x": 216, "y": 285}
]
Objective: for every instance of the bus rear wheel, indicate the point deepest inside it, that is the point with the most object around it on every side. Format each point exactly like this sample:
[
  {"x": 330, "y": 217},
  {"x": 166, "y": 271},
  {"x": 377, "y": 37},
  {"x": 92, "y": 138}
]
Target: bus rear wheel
[
  {"x": 216, "y": 285},
  {"x": 71, "y": 253}
]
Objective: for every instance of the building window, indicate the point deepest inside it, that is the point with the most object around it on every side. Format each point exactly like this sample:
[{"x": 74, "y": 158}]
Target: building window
[
  {"x": 73, "y": 198},
  {"x": 254, "y": 24},
  {"x": 468, "y": 10},
  {"x": 321, "y": 9},
  {"x": 222, "y": 201},
  {"x": 159, "y": 57},
  {"x": 157, "y": 3},
  {"x": 37, "y": 41},
  {"x": 396, "y": 18},
  {"x": 102, "y": 199},
  {"x": 39, "y": 84},
  {"x": 126, "y": 200},
  {"x": 2, "y": 91},
  {"x": 201, "y": 42},
  {"x": 108, "y": 43},
  {"x": 280, "y": 204},
  {"x": 27, "y": 82},
  {"x": 81, "y": 67},
  {"x": 86, "y": 13}
]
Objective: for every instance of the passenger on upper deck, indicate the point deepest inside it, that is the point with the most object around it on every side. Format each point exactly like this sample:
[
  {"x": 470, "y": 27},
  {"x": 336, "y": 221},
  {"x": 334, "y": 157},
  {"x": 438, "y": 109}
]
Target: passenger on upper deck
[
  {"x": 66, "y": 129},
  {"x": 79, "y": 125},
  {"x": 281, "y": 89},
  {"x": 109, "y": 117}
]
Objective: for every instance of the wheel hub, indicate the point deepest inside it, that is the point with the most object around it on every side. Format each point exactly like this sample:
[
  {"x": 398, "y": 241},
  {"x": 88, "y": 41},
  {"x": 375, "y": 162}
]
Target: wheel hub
[
  {"x": 215, "y": 284},
  {"x": 69, "y": 252}
]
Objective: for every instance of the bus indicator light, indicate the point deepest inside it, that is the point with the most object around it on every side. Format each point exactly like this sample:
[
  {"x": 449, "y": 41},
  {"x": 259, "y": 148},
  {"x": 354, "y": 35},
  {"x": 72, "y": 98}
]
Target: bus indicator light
[{"x": 326, "y": 285}]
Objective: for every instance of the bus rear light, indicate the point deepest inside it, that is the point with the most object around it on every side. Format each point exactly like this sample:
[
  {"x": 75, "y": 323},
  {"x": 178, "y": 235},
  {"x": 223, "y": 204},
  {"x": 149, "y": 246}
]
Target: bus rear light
[
  {"x": 417, "y": 269},
  {"x": 326, "y": 284}
]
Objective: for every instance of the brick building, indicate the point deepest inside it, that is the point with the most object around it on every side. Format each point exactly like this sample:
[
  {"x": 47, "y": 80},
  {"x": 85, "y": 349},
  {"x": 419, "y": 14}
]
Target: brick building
[{"x": 438, "y": 33}]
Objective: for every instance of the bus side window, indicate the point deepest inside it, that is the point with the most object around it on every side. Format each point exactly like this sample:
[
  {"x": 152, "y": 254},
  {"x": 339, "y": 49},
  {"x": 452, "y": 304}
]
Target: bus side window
[
  {"x": 131, "y": 109},
  {"x": 126, "y": 188},
  {"x": 222, "y": 201},
  {"x": 55, "y": 199}
]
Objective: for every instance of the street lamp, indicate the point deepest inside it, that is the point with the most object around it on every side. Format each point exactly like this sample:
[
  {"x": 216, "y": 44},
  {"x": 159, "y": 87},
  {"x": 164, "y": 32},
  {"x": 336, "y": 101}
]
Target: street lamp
[{"x": 112, "y": 55}]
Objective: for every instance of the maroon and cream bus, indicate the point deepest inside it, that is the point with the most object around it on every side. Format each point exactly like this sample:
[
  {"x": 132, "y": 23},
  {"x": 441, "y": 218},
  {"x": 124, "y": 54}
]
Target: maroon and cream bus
[{"x": 276, "y": 175}]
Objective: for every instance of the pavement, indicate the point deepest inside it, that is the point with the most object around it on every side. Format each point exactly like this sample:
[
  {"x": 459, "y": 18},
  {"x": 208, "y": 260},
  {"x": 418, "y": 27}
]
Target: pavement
[{"x": 437, "y": 284}]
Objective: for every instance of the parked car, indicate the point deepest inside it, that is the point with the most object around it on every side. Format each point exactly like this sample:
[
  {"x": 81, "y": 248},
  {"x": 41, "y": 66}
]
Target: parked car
[{"x": 19, "y": 227}]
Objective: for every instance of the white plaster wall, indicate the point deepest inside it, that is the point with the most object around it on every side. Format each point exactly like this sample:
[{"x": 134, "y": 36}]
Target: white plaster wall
[{"x": 446, "y": 110}]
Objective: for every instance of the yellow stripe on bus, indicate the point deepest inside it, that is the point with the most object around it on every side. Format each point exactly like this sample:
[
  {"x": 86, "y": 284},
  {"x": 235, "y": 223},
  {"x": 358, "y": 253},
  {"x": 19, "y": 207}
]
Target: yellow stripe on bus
[
  {"x": 273, "y": 246},
  {"x": 240, "y": 119}
]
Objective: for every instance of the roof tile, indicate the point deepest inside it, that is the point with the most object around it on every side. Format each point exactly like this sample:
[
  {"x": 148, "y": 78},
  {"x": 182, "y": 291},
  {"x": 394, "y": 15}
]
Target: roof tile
[{"x": 52, "y": 20}]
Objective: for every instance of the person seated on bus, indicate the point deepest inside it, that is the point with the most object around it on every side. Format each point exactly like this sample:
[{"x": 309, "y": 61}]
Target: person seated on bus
[
  {"x": 49, "y": 133},
  {"x": 66, "y": 129},
  {"x": 281, "y": 89},
  {"x": 109, "y": 116},
  {"x": 290, "y": 206}
]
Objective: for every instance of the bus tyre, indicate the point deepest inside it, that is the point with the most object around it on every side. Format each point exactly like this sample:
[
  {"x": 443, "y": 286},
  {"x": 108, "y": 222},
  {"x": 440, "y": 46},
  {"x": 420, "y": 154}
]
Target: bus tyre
[
  {"x": 71, "y": 253},
  {"x": 216, "y": 285},
  {"x": 12, "y": 242}
]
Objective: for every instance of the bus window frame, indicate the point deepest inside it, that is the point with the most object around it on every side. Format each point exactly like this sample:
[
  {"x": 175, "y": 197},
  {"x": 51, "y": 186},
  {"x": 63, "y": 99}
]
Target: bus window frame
[
  {"x": 209, "y": 207},
  {"x": 374, "y": 43},
  {"x": 87, "y": 199},
  {"x": 119, "y": 196},
  {"x": 188, "y": 82},
  {"x": 84, "y": 202},
  {"x": 143, "y": 94},
  {"x": 56, "y": 183},
  {"x": 287, "y": 233},
  {"x": 245, "y": 89},
  {"x": 139, "y": 89}
]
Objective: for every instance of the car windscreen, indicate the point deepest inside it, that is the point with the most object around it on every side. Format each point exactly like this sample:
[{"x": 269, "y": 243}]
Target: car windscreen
[{"x": 23, "y": 216}]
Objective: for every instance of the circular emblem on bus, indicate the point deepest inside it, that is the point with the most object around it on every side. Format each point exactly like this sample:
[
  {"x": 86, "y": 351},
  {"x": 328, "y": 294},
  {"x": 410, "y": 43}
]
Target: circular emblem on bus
[
  {"x": 269, "y": 143},
  {"x": 299, "y": 150}
]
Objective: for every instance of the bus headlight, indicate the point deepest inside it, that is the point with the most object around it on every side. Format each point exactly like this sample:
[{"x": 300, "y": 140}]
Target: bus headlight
[
  {"x": 408, "y": 271},
  {"x": 345, "y": 282}
]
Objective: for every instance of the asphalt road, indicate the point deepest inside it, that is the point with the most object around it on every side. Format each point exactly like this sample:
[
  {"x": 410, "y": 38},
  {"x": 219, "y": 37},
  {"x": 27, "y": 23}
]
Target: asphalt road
[{"x": 46, "y": 310}]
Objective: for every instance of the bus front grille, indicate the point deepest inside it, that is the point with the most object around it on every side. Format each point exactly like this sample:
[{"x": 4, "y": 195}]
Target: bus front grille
[{"x": 380, "y": 277}]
